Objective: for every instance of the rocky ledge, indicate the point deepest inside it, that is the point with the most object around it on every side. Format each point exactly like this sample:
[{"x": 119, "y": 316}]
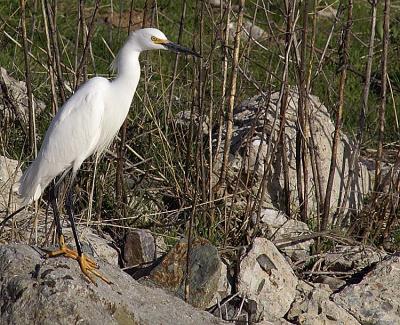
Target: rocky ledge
[{"x": 34, "y": 290}]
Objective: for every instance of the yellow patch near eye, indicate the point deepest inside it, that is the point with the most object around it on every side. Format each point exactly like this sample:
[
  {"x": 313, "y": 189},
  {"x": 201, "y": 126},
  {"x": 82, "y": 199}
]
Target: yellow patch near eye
[{"x": 156, "y": 40}]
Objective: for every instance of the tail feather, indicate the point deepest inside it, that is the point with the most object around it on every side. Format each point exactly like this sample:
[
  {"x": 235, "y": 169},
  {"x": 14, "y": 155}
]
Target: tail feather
[{"x": 30, "y": 187}]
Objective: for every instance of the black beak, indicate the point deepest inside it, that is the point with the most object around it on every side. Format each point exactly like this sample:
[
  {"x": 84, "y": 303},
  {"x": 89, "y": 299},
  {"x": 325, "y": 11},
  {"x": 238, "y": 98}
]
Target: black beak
[{"x": 180, "y": 49}]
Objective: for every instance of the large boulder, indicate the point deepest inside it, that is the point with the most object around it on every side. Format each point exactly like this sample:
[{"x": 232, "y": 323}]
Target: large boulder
[
  {"x": 34, "y": 290},
  {"x": 256, "y": 124},
  {"x": 376, "y": 299},
  {"x": 266, "y": 278}
]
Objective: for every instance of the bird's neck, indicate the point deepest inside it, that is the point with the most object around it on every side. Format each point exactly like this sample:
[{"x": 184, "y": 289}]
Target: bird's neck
[{"x": 128, "y": 68}]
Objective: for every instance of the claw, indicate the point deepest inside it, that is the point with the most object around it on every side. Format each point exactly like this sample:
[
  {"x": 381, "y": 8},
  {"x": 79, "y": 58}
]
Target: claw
[
  {"x": 88, "y": 266},
  {"x": 88, "y": 269}
]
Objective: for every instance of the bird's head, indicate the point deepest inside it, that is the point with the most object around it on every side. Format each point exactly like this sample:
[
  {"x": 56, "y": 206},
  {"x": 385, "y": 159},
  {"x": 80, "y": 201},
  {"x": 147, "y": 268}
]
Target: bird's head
[{"x": 153, "y": 39}]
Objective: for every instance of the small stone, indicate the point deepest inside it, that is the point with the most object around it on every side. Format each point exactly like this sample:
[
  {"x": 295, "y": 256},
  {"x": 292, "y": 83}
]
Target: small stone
[
  {"x": 333, "y": 283},
  {"x": 313, "y": 306},
  {"x": 285, "y": 238},
  {"x": 14, "y": 100},
  {"x": 10, "y": 173},
  {"x": 161, "y": 247},
  {"x": 273, "y": 218},
  {"x": 268, "y": 279},
  {"x": 327, "y": 12},
  {"x": 249, "y": 30},
  {"x": 139, "y": 247}
]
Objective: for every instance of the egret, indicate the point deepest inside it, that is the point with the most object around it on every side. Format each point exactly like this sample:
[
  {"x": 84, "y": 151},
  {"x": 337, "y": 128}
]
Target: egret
[{"x": 85, "y": 125}]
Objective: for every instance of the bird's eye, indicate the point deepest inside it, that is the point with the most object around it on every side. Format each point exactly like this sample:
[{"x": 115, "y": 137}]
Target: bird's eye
[{"x": 153, "y": 38}]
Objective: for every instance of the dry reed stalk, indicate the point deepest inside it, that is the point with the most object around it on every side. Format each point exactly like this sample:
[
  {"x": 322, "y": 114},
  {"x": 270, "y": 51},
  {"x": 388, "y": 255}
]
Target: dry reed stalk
[
  {"x": 55, "y": 49},
  {"x": 31, "y": 107},
  {"x": 282, "y": 148},
  {"x": 353, "y": 164},
  {"x": 87, "y": 37},
  {"x": 339, "y": 113},
  {"x": 383, "y": 97},
  {"x": 302, "y": 128},
  {"x": 232, "y": 96},
  {"x": 50, "y": 62}
]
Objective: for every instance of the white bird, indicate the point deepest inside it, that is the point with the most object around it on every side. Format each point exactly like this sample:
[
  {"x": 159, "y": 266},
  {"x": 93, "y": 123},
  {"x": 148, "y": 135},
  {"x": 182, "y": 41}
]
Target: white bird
[{"x": 85, "y": 125}]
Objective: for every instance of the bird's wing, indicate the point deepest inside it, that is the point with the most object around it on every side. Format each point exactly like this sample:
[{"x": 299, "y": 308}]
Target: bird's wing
[{"x": 71, "y": 137}]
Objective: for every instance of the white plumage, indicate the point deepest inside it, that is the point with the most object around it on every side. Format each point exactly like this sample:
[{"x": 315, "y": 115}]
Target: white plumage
[{"x": 90, "y": 119}]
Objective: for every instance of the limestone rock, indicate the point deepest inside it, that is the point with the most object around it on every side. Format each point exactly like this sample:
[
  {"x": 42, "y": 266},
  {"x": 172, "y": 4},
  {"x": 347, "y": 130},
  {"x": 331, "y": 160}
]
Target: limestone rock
[
  {"x": 352, "y": 258},
  {"x": 183, "y": 119},
  {"x": 327, "y": 12},
  {"x": 376, "y": 299},
  {"x": 266, "y": 278},
  {"x": 96, "y": 245},
  {"x": 139, "y": 247},
  {"x": 280, "y": 321},
  {"x": 34, "y": 290},
  {"x": 10, "y": 173},
  {"x": 313, "y": 306},
  {"x": 285, "y": 234},
  {"x": 333, "y": 283},
  {"x": 249, "y": 30},
  {"x": 256, "y": 123},
  {"x": 205, "y": 269},
  {"x": 14, "y": 100},
  {"x": 273, "y": 218},
  {"x": 161, "y": 247}
]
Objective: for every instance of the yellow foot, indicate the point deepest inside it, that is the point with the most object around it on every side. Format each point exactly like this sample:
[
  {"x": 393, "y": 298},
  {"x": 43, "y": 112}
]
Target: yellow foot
[
  {"x": 88, "y": 266},
  {"x": 88, "y": 269}
]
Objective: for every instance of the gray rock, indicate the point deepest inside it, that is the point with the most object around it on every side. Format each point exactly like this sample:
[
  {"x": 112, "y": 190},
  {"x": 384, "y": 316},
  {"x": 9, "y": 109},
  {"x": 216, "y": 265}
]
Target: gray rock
[
  {"x": 10, "y": 173},
  {"x": 183, "y": 119},
  {"x": 249, "y": 148},
  {"x": 249, "y": 30},
  {"x": 327, "y": 12},
  {"x": 266, "y": 278},
  {"x": 285, "y": 233},
  {"x": 54, "y": 291},
  {"x": 280, "y": 321},
  {"x": 333, "y": 283},
  {"x": 14, "y": 103},
  {"x": 139, "y": 247},
  {"x": 207, "y": 276},
  {"x": 313, "y": 306},
  {"x": 98, "y": 246},
  {"x": 376, "y": 299},
  {"x": 272, "y": 218},
  {"x": 352, "y": 258},
  {"x": 161, "y": 247}
]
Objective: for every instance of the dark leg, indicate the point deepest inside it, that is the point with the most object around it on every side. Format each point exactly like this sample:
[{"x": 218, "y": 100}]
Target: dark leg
[
  {"x": 56, "y": 213},
  {"x": 87, "y": 265},
  {"x": 69, "y": 204},
  {"x": 63, "y": 250}
]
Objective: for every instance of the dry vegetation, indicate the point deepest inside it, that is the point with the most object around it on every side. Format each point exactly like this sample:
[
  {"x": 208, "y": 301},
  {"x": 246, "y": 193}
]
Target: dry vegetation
[{"x": 159, "y": 174}]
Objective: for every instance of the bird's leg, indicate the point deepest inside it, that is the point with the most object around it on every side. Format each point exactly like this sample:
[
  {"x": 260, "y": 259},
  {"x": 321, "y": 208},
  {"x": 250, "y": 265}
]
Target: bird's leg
[
  {"x": 63, "y": 250},
  {"x": 87, "y": 265}
]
